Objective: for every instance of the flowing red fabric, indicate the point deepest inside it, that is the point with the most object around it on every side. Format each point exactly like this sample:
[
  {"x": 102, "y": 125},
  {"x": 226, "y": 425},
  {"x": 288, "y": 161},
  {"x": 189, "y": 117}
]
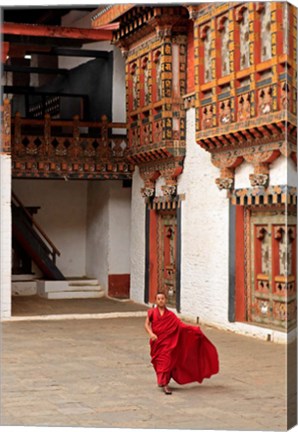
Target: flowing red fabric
[{"x": 181, "y": 351}]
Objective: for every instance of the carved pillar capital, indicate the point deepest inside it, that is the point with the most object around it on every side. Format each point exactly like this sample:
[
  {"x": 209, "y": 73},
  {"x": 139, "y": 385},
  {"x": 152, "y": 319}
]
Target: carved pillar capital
[
  {"x": 226, "y": 179},
  {"x": 261, "y": 162},
  {"x": 170, "y": 174},
  {"x": 227, "y": 165},
  {"x": 260, "y": 177},
  {"x": 149, "y": 178}
]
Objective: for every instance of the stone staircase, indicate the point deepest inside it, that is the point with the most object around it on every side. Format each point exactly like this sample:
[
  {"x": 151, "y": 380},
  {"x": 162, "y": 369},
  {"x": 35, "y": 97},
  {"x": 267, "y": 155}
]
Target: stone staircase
[
  {"x": 77, "y": 288},
  {"x": 70, "y": 289},
  {"x": 23, "y": 285}
]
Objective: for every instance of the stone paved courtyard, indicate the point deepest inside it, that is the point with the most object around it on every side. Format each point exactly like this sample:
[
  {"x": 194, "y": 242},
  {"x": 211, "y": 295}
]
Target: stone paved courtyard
[{"x": 97, "y": 373}]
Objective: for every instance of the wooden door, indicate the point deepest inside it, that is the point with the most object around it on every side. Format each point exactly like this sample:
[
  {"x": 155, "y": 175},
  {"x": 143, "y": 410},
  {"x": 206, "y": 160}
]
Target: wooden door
[{"x": 272, "y": 298}]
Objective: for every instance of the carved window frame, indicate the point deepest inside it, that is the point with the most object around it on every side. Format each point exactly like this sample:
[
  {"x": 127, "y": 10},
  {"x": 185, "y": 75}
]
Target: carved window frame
[
  {"x": 223, "y": 26},
  {"x": 204, "y": 32},
  {"x": 239, "y": 16}
]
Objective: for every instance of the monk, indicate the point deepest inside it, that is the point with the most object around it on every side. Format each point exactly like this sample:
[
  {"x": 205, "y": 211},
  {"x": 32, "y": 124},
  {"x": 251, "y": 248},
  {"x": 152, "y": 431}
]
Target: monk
[{"x": 178, "y": 350}]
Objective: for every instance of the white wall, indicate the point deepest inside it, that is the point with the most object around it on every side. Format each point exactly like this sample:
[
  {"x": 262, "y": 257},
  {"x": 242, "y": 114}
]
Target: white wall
[
  {"x": 108, "y": 230},
  {"x": 62, "y": 216},
  {"x": 97, "y": 236},
  {"x": 282, "y": 171},
  {"x": 5, "y": 237},
  {"x": 242, "y": 173},
  {"x": 205, "y": 242},
  {"x": 120, "y": 214},
  {"x": 137, "y": 242}
]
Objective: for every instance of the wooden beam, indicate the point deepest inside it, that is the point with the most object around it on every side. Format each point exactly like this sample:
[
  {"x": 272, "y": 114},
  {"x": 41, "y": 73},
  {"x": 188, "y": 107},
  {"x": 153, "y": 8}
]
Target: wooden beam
[
  {"x": 55, "y": 31},
  {"x": 34, "y": 91},
  {"x": 34, "y": 70},
  {"x": 68, "y": 52}
]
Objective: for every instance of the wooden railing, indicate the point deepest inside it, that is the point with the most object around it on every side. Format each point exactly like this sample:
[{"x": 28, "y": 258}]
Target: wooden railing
[
  {"x": 5, "y": 127},
  {"x": 74, "y": 147},
  {"x": 53, "y": 249}
]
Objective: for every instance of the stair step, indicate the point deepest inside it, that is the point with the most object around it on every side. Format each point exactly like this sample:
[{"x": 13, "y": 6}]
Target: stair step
[
  {"x": 23, "y": 277},
  {"x": 74, "y": 294},
  {"x": 70, "y": 289},
  {"x": 85, "y": 282},
  {"x": 23, "y": 288},
  {"x": 60, "y": 286}
]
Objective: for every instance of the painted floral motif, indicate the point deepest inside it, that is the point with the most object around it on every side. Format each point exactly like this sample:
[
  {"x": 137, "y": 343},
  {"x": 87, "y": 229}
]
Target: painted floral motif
[
  {"x": 265, "y": 100},
  {"x": 244, "y": 40},
  {"x": 207, "y": 114},
  {"x": 244, "y": 107},
  {"x": 225, "y": 115}
]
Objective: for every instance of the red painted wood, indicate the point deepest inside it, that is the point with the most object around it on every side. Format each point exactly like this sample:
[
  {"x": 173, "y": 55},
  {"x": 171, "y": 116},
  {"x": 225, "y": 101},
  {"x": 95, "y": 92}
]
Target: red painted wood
[
  {"x": 240, "y": 263},
  {"x": 153, "y": 268},
  {"x": 275, "y": 258},
  {"x": 55, "y": 31},
  {"x": 119, "y": 285},
  {"x": 190, "y": 60},
  {"x": 4, "y": 51}
]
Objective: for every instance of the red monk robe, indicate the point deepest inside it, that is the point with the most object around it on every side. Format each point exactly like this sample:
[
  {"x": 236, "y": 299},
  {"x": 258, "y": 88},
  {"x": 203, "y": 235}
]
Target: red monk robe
[{"x": 181, "y": 351}]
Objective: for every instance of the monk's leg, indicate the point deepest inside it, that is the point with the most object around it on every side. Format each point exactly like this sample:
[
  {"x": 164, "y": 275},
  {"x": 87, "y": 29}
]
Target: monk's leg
[{"x": 163, "y": 379}]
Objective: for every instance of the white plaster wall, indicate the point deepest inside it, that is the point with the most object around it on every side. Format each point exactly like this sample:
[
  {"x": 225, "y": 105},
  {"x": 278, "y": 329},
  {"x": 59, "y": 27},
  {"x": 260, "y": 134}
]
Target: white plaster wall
[
  {"x": 137, "y": 243},
  {"x": 5, "y": 237},
  {"x": 242, "y": 173},
  {"x": 108, "y": 230},
  {"x": 282, "y": 171},
  {"x": 161, "y": 181},
  {"x": 97, "y": 236},
  {"x": 205, "y": 241},
  {"x": 62, "y": 216},
  {"x": 120, "y": 214}
]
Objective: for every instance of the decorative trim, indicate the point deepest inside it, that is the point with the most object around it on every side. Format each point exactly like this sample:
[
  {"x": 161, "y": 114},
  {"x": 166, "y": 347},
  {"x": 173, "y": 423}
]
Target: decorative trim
[
  {"x": 261, "y": 196},
  {"x": 162, "y": 203}
]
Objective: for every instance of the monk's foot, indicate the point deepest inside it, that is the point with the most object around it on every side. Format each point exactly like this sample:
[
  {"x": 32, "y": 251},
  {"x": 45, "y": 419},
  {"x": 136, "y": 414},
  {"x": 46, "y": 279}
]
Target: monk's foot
[{"x": 166, "y": 390}]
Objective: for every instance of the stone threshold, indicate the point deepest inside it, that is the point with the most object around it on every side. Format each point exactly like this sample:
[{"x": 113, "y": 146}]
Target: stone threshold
[{"x": 107, "y": 315}]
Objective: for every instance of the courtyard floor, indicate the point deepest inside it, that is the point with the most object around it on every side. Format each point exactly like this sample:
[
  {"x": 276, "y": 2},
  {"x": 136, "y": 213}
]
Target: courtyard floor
[{"x": 97, "y": 373}]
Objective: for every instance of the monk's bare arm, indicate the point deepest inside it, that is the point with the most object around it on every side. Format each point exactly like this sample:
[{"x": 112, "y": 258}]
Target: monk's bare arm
[{"x": 149, "y": 330}]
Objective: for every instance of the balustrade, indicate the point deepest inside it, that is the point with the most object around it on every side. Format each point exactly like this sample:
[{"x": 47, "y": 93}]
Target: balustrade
[{"x": 74, "y": 146}]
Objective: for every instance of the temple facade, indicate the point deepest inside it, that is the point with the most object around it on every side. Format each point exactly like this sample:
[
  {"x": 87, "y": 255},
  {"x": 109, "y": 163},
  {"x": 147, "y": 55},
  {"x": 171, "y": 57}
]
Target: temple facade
[{"x": 187, "y": 183}]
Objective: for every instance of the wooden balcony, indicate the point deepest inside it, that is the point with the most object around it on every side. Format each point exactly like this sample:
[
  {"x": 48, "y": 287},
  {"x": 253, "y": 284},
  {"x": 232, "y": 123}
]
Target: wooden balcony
[{"x": 69, "y": 149}]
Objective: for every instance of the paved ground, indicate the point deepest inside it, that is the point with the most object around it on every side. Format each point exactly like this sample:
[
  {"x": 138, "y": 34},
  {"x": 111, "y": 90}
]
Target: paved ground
[
  {"x": 98, "y": 373},
  {"x": 35, "y": 305}
]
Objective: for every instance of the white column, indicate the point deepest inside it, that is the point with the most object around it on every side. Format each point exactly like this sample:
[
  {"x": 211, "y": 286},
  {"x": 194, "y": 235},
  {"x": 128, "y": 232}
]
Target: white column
[{"x": 5, "y": 238}]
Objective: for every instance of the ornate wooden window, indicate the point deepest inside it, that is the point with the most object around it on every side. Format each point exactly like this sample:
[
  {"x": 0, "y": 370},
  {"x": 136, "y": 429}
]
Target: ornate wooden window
[
  {"x": 244, "y": 39},
  {"x": 265, "y": 11},
  {"x": 157, "y": 73},
  {"x": 146, "y": 81},
  {"x": 206, "y": 37},
  {"x": 135, "y": 86},
  {"x": 223, "y": 27}
]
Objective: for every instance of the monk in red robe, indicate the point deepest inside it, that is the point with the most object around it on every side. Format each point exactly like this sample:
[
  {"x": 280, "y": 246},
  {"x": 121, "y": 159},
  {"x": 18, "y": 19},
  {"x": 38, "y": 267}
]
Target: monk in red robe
[{"x": 178, "y": 350}]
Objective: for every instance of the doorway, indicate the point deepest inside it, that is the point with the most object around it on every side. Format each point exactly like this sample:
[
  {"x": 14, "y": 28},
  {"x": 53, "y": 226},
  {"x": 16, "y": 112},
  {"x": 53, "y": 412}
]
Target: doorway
[
  {"x": 272, "y": 268},
  {"x": 163, "y": 237}
]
